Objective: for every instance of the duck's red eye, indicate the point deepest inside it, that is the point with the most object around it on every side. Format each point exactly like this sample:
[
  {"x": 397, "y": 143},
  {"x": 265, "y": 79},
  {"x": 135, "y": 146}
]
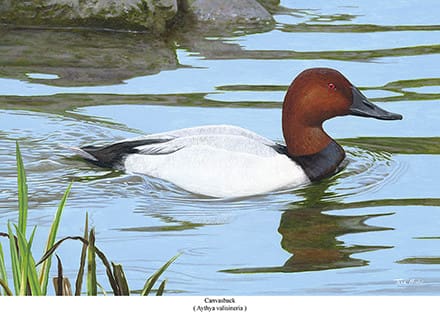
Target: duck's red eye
[{"x": 331, "y": 86}]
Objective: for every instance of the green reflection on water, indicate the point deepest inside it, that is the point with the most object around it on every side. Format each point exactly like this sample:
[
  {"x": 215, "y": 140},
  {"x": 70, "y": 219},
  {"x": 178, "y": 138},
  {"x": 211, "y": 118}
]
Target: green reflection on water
[
  {"x": 344, "y": 55},
  {"x": 82, "y": 58},
  {"x": 396, "y": 145},
  {"x": 181, "y": 226},
  {"x": 354, "y": 28},
  {"x": 172, "y": 224},
  {"x": 398, "y": 87},
  {"x": 86, "y": 58},
  {"x": 420, "y": 260}
]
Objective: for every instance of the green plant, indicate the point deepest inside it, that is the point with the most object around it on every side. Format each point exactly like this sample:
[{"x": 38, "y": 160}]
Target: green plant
[{"x": 32, "y": 278}]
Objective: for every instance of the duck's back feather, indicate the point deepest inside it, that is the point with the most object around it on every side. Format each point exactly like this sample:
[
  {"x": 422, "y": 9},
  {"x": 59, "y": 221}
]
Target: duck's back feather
[{"x": 113, "y": 155}]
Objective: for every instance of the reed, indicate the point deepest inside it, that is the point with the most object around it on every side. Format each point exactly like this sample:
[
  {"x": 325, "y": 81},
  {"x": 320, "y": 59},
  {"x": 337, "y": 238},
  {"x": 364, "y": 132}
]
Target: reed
[{"x": 32, "y": 278}]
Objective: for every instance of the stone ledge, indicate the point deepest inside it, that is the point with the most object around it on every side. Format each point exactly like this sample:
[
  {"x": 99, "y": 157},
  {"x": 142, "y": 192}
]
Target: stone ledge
[
  {"x": 116, "y": 14},
  {"x": 221, "y": 12},
  {"x": 154, "y": 16}
]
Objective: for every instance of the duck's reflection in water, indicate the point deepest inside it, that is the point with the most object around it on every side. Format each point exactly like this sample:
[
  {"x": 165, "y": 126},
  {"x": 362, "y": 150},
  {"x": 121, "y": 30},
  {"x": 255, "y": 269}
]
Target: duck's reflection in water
[
  {"x": 312, "y": 237},
  {"x": 311, "y": 234}
]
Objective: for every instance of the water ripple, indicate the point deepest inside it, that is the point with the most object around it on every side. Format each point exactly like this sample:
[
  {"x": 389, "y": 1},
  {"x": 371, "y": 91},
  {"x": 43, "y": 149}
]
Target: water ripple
[{"x": 366, "y": 171}]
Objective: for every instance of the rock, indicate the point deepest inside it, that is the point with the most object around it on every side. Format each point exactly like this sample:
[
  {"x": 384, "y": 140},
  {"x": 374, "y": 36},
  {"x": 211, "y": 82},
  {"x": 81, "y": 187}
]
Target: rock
[
  {"x": 153, "y": 15},
  {"x": 269, "y": 4},
  {"x": 227, "y": 12}
]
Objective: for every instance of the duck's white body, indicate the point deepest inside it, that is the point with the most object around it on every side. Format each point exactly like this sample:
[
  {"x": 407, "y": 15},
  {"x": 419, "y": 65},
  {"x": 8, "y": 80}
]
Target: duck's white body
[{"x": 218, "y": 161}]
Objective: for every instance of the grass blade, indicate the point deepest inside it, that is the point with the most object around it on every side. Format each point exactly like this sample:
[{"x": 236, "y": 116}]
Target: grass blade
[
  {"x": 24, "y": 249},
  {"x": 108, "y": 271},
  {"x": 5, "y": 287},
  {"x": 91, "y": 265},
  {"x": 59, "y": 278},
  {"x": 45, "y": 267},
  {"x": 65, "y": 286},
  {"x": 3, "y": 274},
  {"x": 33, "y": 282},
  {"x": 22, "y": 192},
  {"x": 152, "y": 280},
  {"x": 57, "y": 244},
  {"x": 15, "y": 261},
  {"x": 61, "y": 284},
  {"x": 161, "y": 288},
  {"x": 120, "y": 279},
  {"x": 97, "y": 252},
  {"x": 82, "y": 263},
  {"x": 86, "y": 243}
]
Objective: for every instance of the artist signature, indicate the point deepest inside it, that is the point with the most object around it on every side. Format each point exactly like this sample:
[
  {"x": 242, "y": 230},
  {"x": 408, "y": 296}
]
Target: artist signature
[{"x": 408, "y": 282}]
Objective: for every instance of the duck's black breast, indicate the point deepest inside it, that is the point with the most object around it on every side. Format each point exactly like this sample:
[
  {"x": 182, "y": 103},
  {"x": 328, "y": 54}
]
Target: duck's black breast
[{"x": 320, "y": 165}]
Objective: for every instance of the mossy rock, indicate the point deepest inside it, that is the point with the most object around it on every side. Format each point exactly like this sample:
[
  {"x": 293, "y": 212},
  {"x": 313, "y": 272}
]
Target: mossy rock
[
  {"x": 152, "y": 15},
  {"x": 229, "y": 12}
]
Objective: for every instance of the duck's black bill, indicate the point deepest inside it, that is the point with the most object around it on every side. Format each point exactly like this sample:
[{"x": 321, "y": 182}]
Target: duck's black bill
[{"x": 362, "y": 107}]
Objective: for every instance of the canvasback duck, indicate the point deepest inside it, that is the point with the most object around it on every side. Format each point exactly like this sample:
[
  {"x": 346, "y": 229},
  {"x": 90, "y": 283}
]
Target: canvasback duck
[{"x": 229, "y": 161}]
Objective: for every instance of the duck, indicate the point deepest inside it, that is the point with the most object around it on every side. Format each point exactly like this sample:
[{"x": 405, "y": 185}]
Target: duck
[{"x": 226, "y": 161}]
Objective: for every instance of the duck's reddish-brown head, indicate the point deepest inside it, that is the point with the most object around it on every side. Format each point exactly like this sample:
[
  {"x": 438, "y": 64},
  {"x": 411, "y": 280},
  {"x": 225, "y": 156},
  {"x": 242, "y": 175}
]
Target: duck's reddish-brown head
[{"x": 316, "y": 95}]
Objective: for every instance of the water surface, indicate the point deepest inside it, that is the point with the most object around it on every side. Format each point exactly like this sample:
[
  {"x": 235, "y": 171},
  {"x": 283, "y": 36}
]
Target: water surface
[{"x": 374, "y": 228}]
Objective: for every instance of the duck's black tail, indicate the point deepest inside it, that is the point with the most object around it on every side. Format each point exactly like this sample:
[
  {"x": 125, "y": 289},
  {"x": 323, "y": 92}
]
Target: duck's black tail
[{"x": 113, "y": 155}]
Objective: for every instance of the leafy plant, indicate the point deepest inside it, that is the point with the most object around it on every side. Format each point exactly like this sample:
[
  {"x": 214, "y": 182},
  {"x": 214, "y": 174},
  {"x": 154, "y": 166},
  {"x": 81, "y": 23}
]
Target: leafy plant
[{"x": 31, "y": 278}]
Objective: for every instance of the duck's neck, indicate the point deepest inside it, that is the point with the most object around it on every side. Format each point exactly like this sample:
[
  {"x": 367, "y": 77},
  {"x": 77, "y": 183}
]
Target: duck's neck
[
  {"x": 301, "y": 140},
  {"x": 317, "y": 154}
]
